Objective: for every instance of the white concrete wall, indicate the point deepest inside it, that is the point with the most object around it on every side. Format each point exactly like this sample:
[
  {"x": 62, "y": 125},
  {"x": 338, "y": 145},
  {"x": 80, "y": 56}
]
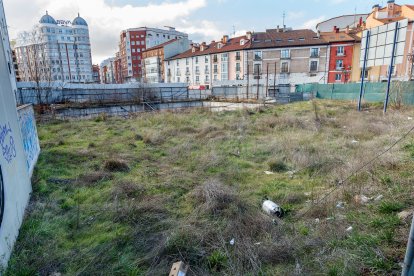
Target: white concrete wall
[{"x": 16, "y": 179}]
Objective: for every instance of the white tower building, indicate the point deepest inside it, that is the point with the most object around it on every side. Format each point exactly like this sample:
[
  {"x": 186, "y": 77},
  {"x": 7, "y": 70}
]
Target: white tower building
[{"x": 55, "y": 50}]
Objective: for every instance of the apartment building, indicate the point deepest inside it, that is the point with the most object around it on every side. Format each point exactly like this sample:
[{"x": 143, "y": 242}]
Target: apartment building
[
  {"x": 344, "y": 53},
  {"x": 107, "y": 69},
  {"x": 56, "y": 50},
  {"x": 96, "y": 75},
  {"x": 153, "y": 59},
  {"x": 288, "y": 57},
  {"x": 135, "y": 41},
  {"x": 393, "y": 12},
  {"x": 207, "y": 65}
]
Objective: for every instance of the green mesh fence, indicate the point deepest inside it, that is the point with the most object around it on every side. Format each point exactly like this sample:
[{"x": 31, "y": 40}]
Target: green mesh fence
[{"x": 400, "y": 92}]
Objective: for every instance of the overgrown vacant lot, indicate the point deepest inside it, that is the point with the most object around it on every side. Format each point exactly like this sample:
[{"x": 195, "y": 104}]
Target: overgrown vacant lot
[{"x": 130, "y": 197}]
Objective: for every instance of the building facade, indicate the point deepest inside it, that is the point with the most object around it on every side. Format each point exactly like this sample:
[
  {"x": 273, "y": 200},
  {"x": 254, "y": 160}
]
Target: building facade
[
  {"x": 96, "y": 73},
  {"x": 153, "y": 59},
  {"x": 284, "y": 56},
  {"x": 208, "y": 65},
  {"x": 342, "y": 58},
  {"x": 135, "y": 41},
  {"x": 107, "y": 69},
  {"x": 55, "y": 51}
]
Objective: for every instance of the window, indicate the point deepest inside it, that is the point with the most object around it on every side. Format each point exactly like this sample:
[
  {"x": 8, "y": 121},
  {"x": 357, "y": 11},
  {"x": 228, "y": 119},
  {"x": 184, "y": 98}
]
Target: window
[
  {"x": 238, "y": 57},
  {"x": 257, "y": 55},
  {"x": 285, "y": 67},
  {"x": 197, "y": 70},
  {"x": 215, "y": 58},
  {"x": 338, "y": 77},
  {"x": 315, "y": 52},
  {"x": 206, "y": 71},
  {"x": 196, "y": 60},
  {"x": 313, "y": 66},
  {"x": 206, "y": 59},
  {"x": 339, "y": 64},
  {"x": 285, "y": 53},
  {"x": 197, "y": 79},
  {"x": 257, "y": 69},
  {"x": 340, "y": 51},
  {"x": 187, "y": 62},
  {"x": 237, "y": 67},
  {"x": 224, "y": 57},
  {"x": 365, "y": 75},
  {"x": 215, "y": 69}
]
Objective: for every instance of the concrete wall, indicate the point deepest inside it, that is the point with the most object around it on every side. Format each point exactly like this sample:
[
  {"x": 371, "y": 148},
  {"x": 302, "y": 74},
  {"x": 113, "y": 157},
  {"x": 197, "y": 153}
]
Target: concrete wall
[
  {"x": 30, "y": 93},
  {"x": 13, "y": 166}
]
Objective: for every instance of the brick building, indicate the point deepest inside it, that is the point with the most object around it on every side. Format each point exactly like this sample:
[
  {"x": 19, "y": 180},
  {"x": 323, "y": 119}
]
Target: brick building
[
  {"x": 153, "y": 59},
  {"x": 343, "y": 54},
  {"x": 135, "y": 41}
]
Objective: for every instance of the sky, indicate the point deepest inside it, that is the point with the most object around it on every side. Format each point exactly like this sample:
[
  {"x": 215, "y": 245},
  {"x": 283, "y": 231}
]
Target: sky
[{"x": 203, "y": 20}]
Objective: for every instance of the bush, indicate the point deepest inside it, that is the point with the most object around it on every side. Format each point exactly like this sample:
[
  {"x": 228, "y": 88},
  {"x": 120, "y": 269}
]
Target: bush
[
  {"x": 116, "y": 166},
  {"x": 278, "y": 166}
]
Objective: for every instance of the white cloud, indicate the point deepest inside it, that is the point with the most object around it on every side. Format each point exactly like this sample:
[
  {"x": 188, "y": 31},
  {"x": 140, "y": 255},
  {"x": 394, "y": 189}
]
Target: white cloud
[
  {"x": 311, "y": 24},
  {"x": 106, "y": 21}
]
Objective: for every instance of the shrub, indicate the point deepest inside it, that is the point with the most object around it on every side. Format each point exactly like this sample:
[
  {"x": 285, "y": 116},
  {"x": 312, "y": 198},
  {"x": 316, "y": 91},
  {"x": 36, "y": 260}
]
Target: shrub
[
  {"x": 278, "y": 166},
  {"x": 116, "y": 166}
]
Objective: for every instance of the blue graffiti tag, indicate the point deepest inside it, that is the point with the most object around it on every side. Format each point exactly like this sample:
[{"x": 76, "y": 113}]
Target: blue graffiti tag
[{"x": 7, "y": 143}]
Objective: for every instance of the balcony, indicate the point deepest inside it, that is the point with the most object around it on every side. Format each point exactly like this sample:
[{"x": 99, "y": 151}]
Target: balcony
[
  {"x": 314, "y": 55},
  {"x": 257, "y": 58},
  {"x": 285, "y": 57},
  {"x": 341, "y": 54}
]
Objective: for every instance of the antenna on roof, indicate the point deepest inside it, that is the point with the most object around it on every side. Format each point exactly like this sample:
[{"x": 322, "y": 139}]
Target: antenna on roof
[
  {"x": 234, "y": 31},
  {"x": 284, "y": 16}
]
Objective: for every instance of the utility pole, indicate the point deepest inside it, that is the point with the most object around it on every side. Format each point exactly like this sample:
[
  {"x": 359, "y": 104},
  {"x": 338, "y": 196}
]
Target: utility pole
[
  {"x": 274, "y": 80},
  {"x": 267, "y": 80}
]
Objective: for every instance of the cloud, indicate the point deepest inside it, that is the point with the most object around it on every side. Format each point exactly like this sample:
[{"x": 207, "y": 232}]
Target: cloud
[
  {"x": 106, "y": 21},
  {"x": 311, "y": 24}
]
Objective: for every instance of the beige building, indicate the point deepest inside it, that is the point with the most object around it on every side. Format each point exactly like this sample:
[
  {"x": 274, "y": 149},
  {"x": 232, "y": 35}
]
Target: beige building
[
  {"x": 207, "y": 65},
  {"x": 287, "y": 57},
  {"x": 389, "y": 14}
]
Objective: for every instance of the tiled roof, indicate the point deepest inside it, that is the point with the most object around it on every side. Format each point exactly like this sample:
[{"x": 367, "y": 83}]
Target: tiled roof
[
  {"x": 274, "y": 38},
  {"x": 161, "y": 45},
  {"x": 338, "y": 37},
  {"x": 233, "y": 44}
]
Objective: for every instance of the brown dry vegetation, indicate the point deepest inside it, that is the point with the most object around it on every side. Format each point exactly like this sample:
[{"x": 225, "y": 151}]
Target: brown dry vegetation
[{"x": 130, "y": 197}]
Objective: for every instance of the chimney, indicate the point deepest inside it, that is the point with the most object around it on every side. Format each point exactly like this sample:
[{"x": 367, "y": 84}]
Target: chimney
[
  {"x": 213, "y": 41},
  {"x": 347, "y": 29},
  {"x": 376, "y": 8},
  {"x": 391, "y": 5},
  {"x": 334, "y": 29},
  {"x": 225, "y": 39},
  {"x": 249, "y": 35},
  {"x": 319, "y": 34},
  {"x": 360, "y": 21},
  {"x": 277, "y": 28}
]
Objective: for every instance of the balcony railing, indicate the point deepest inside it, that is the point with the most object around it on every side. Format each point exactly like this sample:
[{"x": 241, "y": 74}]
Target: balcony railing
[
  {"x": 285, "y": 57},
  {"x": 314, "y": 55},
  {"x": 257, "y": 58}
]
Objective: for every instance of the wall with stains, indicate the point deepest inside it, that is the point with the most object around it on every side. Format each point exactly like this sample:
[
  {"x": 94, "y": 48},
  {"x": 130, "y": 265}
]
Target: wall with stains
[{"x": 15, "y": 186}]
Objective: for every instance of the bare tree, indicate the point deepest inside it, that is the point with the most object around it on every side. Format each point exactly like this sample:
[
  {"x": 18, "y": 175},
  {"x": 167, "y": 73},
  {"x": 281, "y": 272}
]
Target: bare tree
[{"x": 35, "y": 64}]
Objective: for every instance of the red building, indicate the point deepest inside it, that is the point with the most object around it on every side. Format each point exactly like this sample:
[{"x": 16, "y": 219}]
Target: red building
[
  {"x": 134, "y": 41},
  {"x": 341, "y": 54},
  {"x": 96, "y": 73}
]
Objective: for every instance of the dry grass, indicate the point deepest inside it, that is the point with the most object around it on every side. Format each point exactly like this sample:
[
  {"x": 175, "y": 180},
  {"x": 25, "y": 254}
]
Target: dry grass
[{"x": 164, "y": 187}]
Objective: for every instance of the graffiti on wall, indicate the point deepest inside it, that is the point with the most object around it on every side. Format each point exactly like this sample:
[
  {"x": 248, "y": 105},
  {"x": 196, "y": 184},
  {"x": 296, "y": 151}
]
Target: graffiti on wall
[
  {"x": 8, "y": 147},
  {"x": 1, "y": 197},
  {"x": 28, "y": 128}
]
